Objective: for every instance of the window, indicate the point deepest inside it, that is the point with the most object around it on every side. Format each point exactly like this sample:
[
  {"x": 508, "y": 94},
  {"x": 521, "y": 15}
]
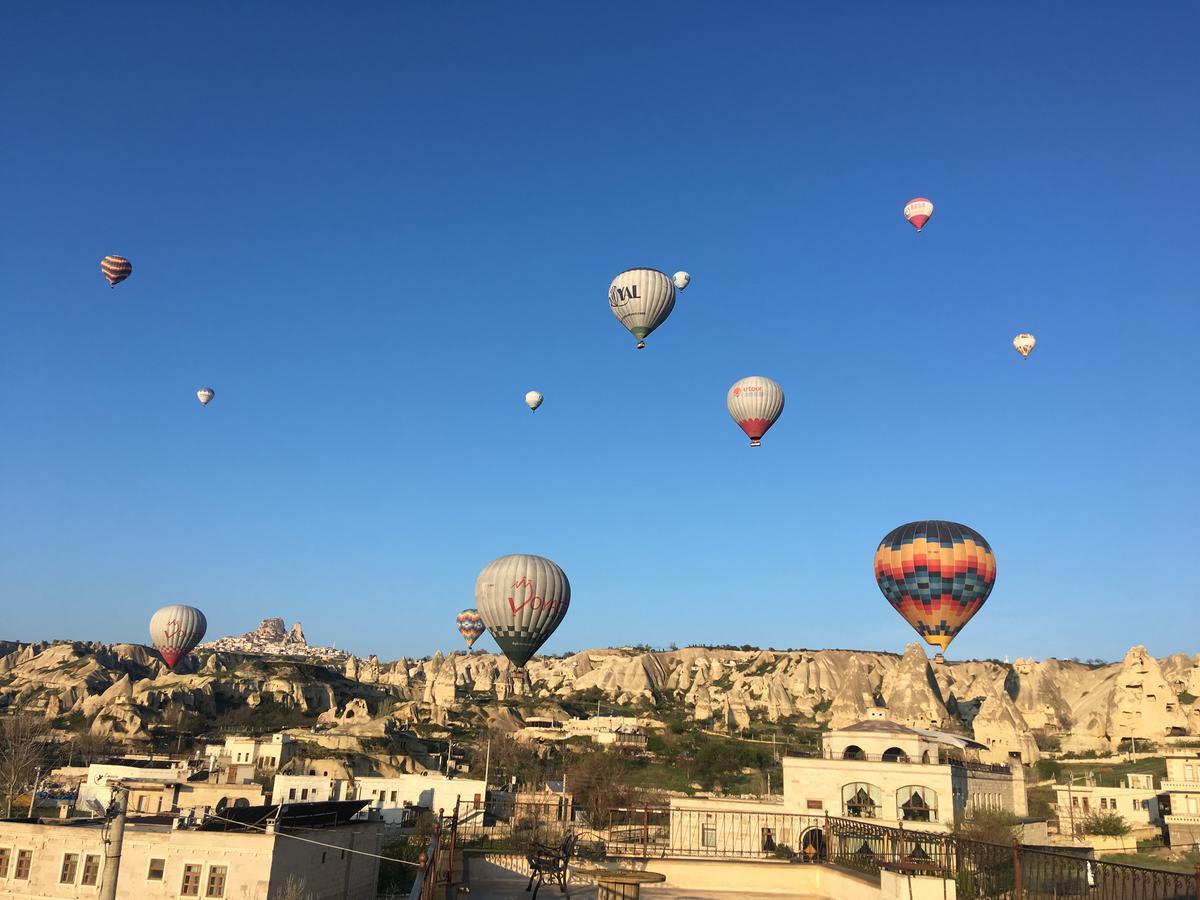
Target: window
[
  {"x": 1104, "y": 803},
  {"x": 157, "y": 867},
  {"x": 190, "y": 887},
  {"x": 4, "y": 855},
  {"x": 860, "y": 800},
  {"x": 141, "y": 802},
  {"x": 916, "y": 803},
  {"x": 853, "y": 752},
  {"x": 69, "y": 866},
  {"x": 303, "y": 793},
  {"x": 291, "y": 793},
  {"x": 91, "y": 869},
  {"x": 216, "y": 881},
  {"x": 1075, "y": 802},
  {"x": 708, "y": 836},
  {"x": 24, "y": 862},
  {"x": 816, "y": 804},
  {"x": 393, "y": 796},
  {"x": 894, "y": 754}
]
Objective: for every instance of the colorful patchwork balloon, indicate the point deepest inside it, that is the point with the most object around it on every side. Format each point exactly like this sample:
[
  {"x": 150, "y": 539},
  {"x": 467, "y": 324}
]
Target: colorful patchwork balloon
[
  {"x": 470, "y": 626},
  {"x": 937, "y": 575}
]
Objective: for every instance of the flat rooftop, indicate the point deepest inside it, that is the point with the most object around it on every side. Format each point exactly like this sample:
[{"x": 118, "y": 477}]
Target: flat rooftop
[{"x": 494, "y": 883}]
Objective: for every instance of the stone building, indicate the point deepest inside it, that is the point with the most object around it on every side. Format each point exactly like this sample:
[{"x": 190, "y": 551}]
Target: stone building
[
  {"x": 1135, "y": 800},
  {"x": 391, "y": 797},
  {"x": 1182, "y": 786},
  {"x": 65, "y": 859}
]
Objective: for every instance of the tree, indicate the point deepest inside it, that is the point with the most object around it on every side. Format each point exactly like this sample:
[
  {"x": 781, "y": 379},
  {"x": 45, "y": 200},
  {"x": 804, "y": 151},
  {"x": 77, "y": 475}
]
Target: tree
[
  {"x": 992, "y": 826},
  {"x": 595, "y": 781},
  {"x": 23, "y": 751},
  {"x": 1106, "y": 825}
]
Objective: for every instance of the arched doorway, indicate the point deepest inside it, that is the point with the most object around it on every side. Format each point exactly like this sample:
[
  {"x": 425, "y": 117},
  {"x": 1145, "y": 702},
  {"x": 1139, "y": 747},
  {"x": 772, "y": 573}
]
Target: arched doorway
[
  {"x": 894, "y": 754},
  {"x": 853, "y": 752},
  {"x": 812, "y": 845}
]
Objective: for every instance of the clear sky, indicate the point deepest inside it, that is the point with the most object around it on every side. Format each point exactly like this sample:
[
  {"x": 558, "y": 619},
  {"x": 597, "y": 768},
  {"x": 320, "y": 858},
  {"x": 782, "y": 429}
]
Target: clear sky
[{"x": 372, "y": 227}]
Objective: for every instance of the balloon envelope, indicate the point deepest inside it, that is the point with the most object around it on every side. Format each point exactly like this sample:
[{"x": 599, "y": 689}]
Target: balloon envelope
[
  {"x": 1024, "y": 344},
  {"x": 641, "y": 299},
  {"x": 533, "y": 399},
  {"x": 522, "y": 599},
  {"x": 176, "y": 630},
  {"x": 204, "y": 395},
  {"x": 681, "y": 280},
  {"x": 755, "y": 403},
  {"x": 917, "y": 211},
  {"x": 937, "y": 575},
  {"x": 115, "y": 269},
  {"x": 470, "y": 626}
]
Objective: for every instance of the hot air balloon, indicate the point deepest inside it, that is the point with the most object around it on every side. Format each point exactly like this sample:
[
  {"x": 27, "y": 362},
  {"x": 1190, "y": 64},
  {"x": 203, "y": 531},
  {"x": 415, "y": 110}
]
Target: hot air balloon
[
  {"x": 175, "y": 631},
  {"x": 470, "y": 626},
  {"x": 917, "y": 211},
  {"x": 936, "y": 575},
  {"x": 681, "y": 280},
  {"x": 116, "y": 269},
  {"x": 641, "y": 299},
  {"x": 533, "y": 399},
  {"x": 755, "y": 403},
  {"x": 1024, "y": 344},
  {"x": 522, "y": 599},
  {"x": 204, "y": 395}
]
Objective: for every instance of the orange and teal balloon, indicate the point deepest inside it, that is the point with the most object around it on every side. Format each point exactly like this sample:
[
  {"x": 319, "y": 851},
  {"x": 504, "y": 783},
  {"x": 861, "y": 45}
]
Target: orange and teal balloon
[
  {"x": 115, "y": 269},
  {"x": 470, "y": 626},
  {"x": 937, "y": 575}
]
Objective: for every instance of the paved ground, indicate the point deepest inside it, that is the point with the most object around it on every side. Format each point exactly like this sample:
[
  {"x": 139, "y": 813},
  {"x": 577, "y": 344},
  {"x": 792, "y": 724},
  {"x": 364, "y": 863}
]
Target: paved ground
[{"x": 493, "y": 883}]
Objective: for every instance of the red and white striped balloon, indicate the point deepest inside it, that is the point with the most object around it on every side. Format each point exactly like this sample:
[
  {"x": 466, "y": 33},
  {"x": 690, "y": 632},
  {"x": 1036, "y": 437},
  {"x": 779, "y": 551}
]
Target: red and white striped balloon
[
  {"x": 755, "y": 403},
  {"x": 176, "y": 630}
]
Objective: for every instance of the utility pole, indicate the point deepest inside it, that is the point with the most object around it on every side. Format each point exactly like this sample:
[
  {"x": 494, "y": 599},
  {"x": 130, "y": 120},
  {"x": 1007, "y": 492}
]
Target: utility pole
[
  {"x": 487, "y": 765},
  {"x": 115, "y": 837},
  {"x": 33, "y": 795}
]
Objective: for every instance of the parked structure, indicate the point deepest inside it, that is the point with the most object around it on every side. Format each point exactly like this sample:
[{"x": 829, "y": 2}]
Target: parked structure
[
  {"x": 65, "y": 859},
  {"x": 1135, "y": 800},
  {"x": 1182, "y": 787}
]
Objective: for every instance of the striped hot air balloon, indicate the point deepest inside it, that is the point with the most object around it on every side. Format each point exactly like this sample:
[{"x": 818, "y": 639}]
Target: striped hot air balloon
[
  {"x": 522, "y": 599},
  {"x": 176, "y": 630},
  {"x": 470, "y": 626},
  {"x": 937, "y": 575},
  {"x": 116, "y": 269},
  {"x": 205, "y": 395},
  {"x": 755, "y": 403},
  {"x": 641, "y": 299}
]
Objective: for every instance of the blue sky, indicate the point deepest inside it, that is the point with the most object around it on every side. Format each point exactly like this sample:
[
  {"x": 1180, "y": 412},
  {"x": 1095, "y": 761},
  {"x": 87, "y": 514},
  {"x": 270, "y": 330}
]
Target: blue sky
[{"x": 372, "y": 231}]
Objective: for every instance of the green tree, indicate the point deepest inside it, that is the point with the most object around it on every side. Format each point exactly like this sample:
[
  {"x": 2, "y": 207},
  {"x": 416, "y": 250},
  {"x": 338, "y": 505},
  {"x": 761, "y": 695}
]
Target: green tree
[{"x": 1106, "y": 825}]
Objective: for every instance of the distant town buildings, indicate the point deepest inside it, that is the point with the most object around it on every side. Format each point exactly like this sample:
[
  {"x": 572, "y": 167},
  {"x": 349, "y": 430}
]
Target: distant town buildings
[
  {"x": 66, "y": 858},
  {"x": 393, "y": 798},
  {"x": 272, "y": 638},
  {"x": 617, "y": 732},
  {"x": 166, "y": 787},
  {"x": 1182, "y": 786}
]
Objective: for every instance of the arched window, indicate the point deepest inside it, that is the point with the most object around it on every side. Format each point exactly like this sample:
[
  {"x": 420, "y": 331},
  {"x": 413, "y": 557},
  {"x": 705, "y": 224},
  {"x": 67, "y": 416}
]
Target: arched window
[
  {"x": 925, "y": 757},
  {"x": 853, "y": 752},
  {"x": 861, "y": 800},
  {"x": 916, "y": 803},
  {"x": 894, "y": 754}
]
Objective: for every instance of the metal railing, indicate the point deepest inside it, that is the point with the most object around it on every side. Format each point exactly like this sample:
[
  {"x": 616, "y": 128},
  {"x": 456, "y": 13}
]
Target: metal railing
[{"x": 979, "y": 869}]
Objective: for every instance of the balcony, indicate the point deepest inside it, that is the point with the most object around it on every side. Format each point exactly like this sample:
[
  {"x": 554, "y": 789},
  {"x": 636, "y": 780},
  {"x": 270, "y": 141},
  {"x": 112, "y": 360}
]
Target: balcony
[{"x": 1180, "y": 787}]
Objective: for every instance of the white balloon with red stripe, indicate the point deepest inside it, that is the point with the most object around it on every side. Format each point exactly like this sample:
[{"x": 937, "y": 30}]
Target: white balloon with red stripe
[
  {"x": 176, "y": 630},
  {"x": 755, "y": 403},
  {"x": 917, "y": 211}
]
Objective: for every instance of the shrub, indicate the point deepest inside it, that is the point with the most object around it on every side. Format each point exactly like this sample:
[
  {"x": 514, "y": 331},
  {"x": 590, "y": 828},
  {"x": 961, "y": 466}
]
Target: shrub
[
  {"x": 1106, "y": 825},
  {"x": 1049, "y": 768}
]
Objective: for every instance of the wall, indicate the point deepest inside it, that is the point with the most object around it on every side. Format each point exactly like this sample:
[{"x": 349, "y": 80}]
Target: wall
[
  {"x": 94, "y": 785},
  {"x": 822, "y": 780},
  {"x": 330, "y": 874},
  {"x": 318, "y": 789},
  {"x": 430, "y": 791}
]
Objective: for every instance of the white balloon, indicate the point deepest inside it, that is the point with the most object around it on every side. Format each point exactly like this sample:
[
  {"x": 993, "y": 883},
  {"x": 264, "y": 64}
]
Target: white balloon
[
  {"x": 641, "y": 299},
  {"x": 522, "y": 599},
  {"x": 533, "y": 399},
  {"x": 1024, "y": 344},
  {"x": 176, "y": 630},
  {"x": 681, "y": 280},
  {"x": 755, "y": 403},
  {"x": 205, "y": 394}
]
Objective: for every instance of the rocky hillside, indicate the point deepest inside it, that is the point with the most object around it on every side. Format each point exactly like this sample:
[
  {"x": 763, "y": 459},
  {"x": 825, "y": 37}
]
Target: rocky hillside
[
  {"x": 272, "y": 638},
  {"x": 124, "y": 690}
]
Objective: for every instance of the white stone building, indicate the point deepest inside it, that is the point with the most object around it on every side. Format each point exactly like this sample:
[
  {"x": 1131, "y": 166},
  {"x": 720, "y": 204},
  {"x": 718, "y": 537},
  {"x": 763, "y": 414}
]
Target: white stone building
[
  {"x": 388, "y": 796},
  {"x": 94, "y": 785},
  {"x": 66, "y": 860},
  {"x": 1135, "y": 800},
  {"x": 1182, "y": 786},
  {"x": 266, "y": 754}
]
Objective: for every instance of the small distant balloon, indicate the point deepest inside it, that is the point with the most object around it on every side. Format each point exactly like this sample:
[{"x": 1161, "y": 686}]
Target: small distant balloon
[
  {"x": 533, "y": 399},
  {"x": 205, "y": 395},
  {"x": 917, "y": 211},
  {"x": 116, "y": 269},
  {"x": 1024, "y": 344},
  {"x": 755, "y": 403},
  {"x": 641, "y": 299},
  {"x": 470, "y": 626},
  {"x": 176, "y": 630},
  {"x": 681, "y": 280}
]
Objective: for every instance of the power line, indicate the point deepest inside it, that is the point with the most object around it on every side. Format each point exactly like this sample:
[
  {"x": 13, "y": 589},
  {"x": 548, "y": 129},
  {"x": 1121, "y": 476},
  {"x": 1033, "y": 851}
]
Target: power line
[{"x": 296, "y": 837}]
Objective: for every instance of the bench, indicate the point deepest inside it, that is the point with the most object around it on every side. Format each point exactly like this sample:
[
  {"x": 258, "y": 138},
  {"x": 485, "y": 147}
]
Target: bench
[{"x": 550, "y": 863}]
